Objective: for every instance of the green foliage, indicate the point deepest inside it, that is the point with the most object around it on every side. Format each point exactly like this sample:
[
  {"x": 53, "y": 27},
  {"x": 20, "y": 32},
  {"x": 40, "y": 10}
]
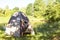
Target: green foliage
[
  {"x": 58, "y": 1},
  {"x": 7, "y": 12},
  {"x": 29, "y": 9},
  {"x": 23, "y": 10},
  {"x": 52, "y": 13},
  {"x": 35, "y": 9},
  {"x": 1, "y": 12},
  {"x": 44, "y": 30},
  {"x": 15, "y": 9}
]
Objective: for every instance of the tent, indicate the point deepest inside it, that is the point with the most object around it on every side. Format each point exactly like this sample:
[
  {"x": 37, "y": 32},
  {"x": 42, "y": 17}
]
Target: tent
[{"x": 18, "y": 25}]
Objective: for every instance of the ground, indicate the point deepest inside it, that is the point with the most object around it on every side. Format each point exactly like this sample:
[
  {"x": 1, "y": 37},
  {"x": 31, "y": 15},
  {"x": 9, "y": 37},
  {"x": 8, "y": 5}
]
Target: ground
[
  {"x": 43, "y": 30},
  {"x": 3, "y": 22}
]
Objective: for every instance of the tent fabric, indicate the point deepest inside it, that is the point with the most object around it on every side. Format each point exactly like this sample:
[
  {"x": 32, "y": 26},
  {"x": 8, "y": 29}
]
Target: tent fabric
[{"x": 17, "y": 24}]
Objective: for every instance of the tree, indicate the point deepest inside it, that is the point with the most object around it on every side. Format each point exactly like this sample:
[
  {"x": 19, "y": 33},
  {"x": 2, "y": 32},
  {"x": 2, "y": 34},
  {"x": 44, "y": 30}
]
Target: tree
[
  {"x": 52, "y": 12},
  {"x": 15, "y": 9},
  {"x": 39, "y": 8},
  {"x": 58, "y": 1},
  {"x": 1, "y": 12},
  {"x": 7, "y": 11},
  {"x": 22, "y": 10},
  {"x": 29, "y": 9}
]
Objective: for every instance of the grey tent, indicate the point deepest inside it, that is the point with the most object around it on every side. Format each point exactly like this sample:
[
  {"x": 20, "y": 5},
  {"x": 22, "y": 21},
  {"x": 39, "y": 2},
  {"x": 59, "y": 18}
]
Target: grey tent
[{"x": 18, "y": 24}]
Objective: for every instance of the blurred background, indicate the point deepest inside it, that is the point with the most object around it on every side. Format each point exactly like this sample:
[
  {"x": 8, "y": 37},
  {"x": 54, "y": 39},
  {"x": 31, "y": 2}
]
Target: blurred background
[{"x": 44, "y": 16}]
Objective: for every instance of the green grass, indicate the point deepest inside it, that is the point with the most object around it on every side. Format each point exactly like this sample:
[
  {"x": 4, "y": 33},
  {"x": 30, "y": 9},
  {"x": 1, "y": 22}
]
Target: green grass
[
  {"x": 43, "y": 30},
  {"x": 4, "y": 19}
]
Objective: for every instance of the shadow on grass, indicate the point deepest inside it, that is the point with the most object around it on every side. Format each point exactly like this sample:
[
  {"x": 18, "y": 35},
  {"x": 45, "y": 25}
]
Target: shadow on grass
[
  {"x": 4, "y": 37},
  {"x": 2, "y": 26},
  {"x": 17, "y": 38},
  {"x": 48, "y": 31},
  {"x": 45, "y": 31}
]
